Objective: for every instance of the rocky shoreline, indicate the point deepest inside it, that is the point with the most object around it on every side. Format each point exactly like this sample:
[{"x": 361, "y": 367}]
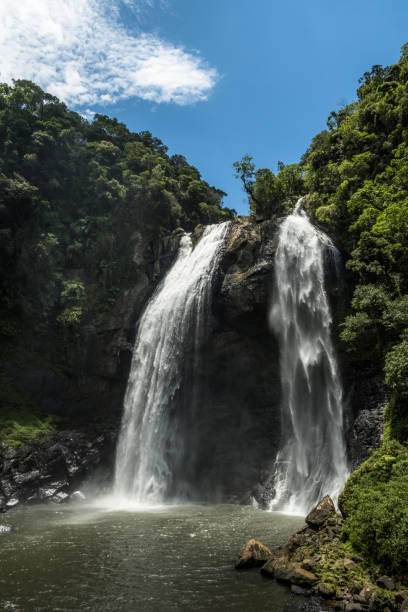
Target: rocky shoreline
[
  {"x": 317, "y": 562},
  {"x": 51, "y": 469}
]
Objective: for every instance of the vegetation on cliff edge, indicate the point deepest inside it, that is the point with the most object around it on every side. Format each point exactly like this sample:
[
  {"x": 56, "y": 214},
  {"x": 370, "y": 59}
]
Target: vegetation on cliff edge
[{"x": 355, "y": 173}]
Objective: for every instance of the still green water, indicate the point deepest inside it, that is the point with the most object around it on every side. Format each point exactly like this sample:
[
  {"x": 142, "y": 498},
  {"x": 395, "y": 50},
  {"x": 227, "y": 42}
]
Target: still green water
[{"x": 170, "y": 558}]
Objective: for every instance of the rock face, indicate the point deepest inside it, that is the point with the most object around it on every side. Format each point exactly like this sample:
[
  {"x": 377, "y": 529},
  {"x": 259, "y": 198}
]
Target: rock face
[
  {"x": 51, "y": 469},
  {"x": 289, "y": 573},
  {"x": 254, "y": 554},
  {"x": 324, "y": 510},
  {"x": 368, "y": 398},
  {"x": 233, "y": 440}
]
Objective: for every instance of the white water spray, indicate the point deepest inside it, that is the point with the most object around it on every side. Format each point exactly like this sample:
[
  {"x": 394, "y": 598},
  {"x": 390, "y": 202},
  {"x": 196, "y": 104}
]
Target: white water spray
[
  {"x": 150, "y": 448},
  {"x": 312, "y": 460}
]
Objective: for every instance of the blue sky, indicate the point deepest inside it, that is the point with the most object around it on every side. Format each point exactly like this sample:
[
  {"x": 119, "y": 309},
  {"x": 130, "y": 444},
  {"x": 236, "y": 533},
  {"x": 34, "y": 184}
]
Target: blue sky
[{"x": 214, "y": 79}]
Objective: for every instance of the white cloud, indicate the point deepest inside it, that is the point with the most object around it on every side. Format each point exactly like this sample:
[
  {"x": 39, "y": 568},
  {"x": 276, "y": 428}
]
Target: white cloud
[{"x": 80, "y": 51}]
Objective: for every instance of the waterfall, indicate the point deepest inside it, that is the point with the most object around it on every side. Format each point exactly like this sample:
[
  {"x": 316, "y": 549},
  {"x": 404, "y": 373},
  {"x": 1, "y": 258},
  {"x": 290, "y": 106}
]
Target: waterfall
[
  {"x": 150, "y": 454},
  {"x": 312, "y": 460}
]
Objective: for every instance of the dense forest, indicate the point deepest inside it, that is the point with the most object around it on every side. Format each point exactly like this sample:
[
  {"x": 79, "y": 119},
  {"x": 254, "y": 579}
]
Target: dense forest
[
  {"x": 75, "y": 199},
  {"x": 355, "y": 175}
]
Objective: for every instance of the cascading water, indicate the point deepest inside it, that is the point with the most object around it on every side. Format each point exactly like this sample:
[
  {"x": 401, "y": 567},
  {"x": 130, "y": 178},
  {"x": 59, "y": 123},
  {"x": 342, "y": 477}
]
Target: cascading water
[
  {"x": 312, "y": 461},
  {"x": 150, "y": 447}
]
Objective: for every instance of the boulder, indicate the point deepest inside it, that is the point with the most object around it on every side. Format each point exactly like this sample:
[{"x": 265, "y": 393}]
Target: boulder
[
  {"x": 401, "y": 596},
  {"x": 385, "y": 582},
  {"x": 326, "y": 590},
  {"x": 77, "y": 497},
  {"x": 349, "y": 565},
  {"x": 404, "y": 606},
  {"x": 292, "y": 573},
  {"x": 367, "y": 594},
  {"x": 275, "y": 564},
  {"x": 297, "y": 590},
  {"x": 319, "y": 515},
  {"x": 254, "y": 554}
]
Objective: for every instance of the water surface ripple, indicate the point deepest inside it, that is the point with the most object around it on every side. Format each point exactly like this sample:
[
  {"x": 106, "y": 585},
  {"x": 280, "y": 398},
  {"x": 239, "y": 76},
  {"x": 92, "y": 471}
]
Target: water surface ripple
[{"x": 170, "y": 558}]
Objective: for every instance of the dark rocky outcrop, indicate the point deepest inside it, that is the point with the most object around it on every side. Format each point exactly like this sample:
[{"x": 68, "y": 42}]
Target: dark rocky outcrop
[
  {"x": 51, "y": 469},
  {"x": 315, "y": 562},
  {"x": 235, "y": 433},
  {"x": 254, "y": 554},
  {"x": 367, "y": 397},
  {"x": 319, "y": 515}
]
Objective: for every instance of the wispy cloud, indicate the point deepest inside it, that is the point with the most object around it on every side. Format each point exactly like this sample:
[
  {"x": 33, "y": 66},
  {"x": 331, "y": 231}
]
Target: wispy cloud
[{"x": 81, "y": 51}]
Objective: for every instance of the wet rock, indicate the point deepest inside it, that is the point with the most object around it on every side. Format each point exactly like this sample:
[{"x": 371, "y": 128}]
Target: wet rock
[
  {"x": 254, "y": 554},
  {"x": 53, "y": 467},
  {"x": 275, "y": 564},
  {"x": 77, "y": 497},
  {"x": 28, "y": 478},
  {"x": 52, "y": 488},
  {"x": 297, "y": 590},
  {"x": 369, "y": 397},
  {"x": 324, "y": 510},
  {"x": 326, "y": 590},
  {"x": 7, "y": 487},
  {"x": 59, "y": 498},
  {"x": 385, "y": 582},
  {"x": 353, "y": 607},
  {"x": 293, "y": 573},
  {"x": 404, "y": 606}
]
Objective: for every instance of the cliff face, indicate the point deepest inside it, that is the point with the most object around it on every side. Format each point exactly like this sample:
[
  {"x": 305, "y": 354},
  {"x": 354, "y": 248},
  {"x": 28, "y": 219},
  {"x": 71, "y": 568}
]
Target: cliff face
[
  {"x": 235, "y": 433},
  {"x": 230, "y": 402}
]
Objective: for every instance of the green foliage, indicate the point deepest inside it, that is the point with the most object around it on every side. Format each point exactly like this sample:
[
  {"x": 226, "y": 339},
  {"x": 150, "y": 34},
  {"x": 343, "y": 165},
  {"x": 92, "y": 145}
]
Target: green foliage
[
  {"x": 20, "y": 420},
  {"x": 81, "y": 206},
  {"x": 268, "y": 193},
  {"x": 374, "y": 505},
  {"x": 73, "y": 301},
  {"x": 72, "y": 196},
  {"x": 396, "y": 368}
]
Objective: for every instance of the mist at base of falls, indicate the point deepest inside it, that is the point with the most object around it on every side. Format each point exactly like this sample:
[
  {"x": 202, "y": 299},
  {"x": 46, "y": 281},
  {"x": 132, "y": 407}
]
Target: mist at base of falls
[{"x": 311, "y": 462}]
